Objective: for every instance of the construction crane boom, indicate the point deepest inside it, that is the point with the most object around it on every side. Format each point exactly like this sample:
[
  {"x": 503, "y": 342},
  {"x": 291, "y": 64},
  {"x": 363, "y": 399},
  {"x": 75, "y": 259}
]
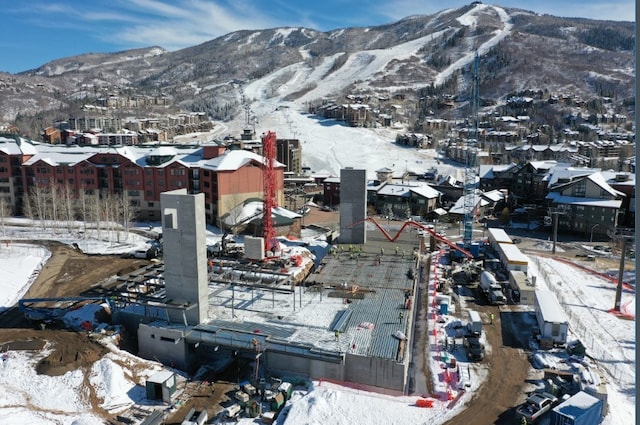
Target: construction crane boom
[{"x": 411, "y": 223}]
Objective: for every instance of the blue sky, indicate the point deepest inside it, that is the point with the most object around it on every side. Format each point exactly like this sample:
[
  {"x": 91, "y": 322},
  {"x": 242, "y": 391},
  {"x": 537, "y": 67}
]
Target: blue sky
[{"x": 36, "y": 31}]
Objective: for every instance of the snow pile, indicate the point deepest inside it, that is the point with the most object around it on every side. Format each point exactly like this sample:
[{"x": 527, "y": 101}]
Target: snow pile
[
  {"x": 327, "y": 403},
  {"x": 20, "y": 264},
  {"x": 50, "y": 397},
  {"x": 110, "y": 385}
]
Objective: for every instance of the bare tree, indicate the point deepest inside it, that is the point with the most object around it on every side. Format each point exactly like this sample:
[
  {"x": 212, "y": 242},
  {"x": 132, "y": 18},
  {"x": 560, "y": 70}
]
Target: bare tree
[
  {"x": 27, "y": 208},
  {"x": 128, "y": 212},
  {"x": 5, "y": 211},
  {"x": 67, "y": 201},
  {"x": 83, "y": 207},
  {"x": 38, "y": 197},
  {"x": 94, "y": 211}
]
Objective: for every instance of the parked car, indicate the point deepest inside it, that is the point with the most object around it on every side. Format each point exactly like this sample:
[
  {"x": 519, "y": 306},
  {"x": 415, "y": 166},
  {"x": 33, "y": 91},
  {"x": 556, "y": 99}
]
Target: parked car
[{"x": 474, "y": 348}]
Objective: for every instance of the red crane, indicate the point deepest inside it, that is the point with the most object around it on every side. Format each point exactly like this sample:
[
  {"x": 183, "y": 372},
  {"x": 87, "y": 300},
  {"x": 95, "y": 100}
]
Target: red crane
[
  {"x": 269, "y": 184},
  {"x": 417, "y": 225}
]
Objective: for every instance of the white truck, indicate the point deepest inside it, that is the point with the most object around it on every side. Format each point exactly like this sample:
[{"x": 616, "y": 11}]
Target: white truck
[
  {"x": 491, "y": 288},
  {"x": 536, "y": 405},
  {"x": 474, "y": 324}
]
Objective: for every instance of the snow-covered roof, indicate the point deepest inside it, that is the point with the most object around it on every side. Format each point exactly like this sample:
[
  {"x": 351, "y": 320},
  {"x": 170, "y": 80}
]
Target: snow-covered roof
[
  {"x": 458, "y": 207},
  {"x": 397, "y": 190},
  {"x": 493, "y": 195},
  {"x": 576, "y": 405},
  {"x": 543, "y": 165},
  {"x": 9, "y": 146},
  {"x": 550, "y": 307},
  {"x": 513, "y": 253},
  {"x": 600, "y": 180},
  {"x": 558, "y": 198},
  {"x": 612, "y": 177},
  {"x": 425, "y": 191},
  {"x": 163, "y": 151},
  {"x": 405, "y": 190},
  {"x": 560, "y": 172},
  {"x": 59, "y": 158},
  {"x": 486, "y": 171},
  {"x": 253, "y": 209},
  {"x": 234, "y": 159},
  {"x": 498, "y": 235}
]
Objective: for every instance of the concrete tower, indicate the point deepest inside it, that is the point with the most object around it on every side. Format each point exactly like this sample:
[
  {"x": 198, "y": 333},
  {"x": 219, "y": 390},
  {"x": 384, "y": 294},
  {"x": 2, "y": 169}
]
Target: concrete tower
[
  {"x": 353, "y": 205},
  {"x": 185, "y": 255}
]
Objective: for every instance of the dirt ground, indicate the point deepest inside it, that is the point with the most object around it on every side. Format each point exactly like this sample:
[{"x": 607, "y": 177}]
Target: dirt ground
[{"x": 68, "y": 272}]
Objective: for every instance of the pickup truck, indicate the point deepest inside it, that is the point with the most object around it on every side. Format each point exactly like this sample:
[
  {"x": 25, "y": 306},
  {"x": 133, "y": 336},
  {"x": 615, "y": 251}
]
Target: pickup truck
[{"x": 536, "y": 405}]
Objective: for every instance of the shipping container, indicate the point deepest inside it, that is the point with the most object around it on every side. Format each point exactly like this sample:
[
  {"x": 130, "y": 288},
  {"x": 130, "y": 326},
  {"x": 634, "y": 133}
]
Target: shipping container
[{"x": 581, "y": 409}]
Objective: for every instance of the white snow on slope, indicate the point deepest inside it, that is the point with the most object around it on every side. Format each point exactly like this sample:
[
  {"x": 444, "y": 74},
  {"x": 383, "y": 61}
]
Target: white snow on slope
[{"x": 469, "y": 19}]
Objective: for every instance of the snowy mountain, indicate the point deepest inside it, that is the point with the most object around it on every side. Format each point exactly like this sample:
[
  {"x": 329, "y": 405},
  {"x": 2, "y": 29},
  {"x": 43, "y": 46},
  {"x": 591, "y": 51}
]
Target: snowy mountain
[{"x": 518, "y": 51}]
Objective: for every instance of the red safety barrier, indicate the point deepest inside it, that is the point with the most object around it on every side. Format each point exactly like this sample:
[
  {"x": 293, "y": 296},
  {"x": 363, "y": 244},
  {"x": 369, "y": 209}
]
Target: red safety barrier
[{"x": 424, "y": 402}]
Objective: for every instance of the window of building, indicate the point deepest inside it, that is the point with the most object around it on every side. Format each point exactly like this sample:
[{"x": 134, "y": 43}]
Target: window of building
[{"x": 579, "y": 189}]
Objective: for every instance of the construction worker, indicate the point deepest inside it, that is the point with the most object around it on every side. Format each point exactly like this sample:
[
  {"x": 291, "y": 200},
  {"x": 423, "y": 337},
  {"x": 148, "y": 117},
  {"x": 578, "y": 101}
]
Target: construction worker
[
  {"x": 381, "y": 251},
  {"x": 400, "y": 316},
  {"x": 523, "y": 421},
  {"x": 491, "y": 316},
  {"x": 337, "y": 334},
  {"x": 397, "y": 249}
]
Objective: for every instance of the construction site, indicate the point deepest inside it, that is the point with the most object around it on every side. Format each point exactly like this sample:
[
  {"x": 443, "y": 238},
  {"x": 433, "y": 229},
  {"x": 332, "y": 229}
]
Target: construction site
[{"x": 342, "y": 312}]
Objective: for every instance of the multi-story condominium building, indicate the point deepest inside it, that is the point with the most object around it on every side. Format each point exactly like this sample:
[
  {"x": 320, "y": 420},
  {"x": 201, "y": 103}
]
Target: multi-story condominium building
[{"x": 226, "y": 177}]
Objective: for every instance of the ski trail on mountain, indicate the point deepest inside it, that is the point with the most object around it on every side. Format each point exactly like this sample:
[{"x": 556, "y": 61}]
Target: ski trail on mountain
[{"x": 469, "y": 19}]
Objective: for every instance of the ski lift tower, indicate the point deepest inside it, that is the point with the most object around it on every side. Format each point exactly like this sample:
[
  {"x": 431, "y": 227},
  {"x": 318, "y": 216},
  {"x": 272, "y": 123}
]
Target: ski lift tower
[{"x": 471, "y": 162}]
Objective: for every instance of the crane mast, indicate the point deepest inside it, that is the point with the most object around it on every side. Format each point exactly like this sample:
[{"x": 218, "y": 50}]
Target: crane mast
[
  {"x": 269, "y": 185},
  {"x": 471, "y": 162}
]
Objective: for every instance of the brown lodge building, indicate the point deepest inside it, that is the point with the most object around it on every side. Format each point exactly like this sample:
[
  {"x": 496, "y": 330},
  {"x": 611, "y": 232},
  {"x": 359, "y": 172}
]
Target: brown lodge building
[{"x": 141, "y": 173}]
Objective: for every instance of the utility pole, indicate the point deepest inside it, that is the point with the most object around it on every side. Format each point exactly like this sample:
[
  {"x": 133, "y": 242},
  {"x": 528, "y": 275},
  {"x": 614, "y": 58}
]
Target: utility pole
[
  {"x": 618, "y": 299},
  {"x": 554, "y": 214}
]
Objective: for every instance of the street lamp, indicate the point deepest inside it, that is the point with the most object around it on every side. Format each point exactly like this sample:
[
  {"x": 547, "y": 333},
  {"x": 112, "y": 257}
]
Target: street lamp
[{"x": 594, "y": 226}]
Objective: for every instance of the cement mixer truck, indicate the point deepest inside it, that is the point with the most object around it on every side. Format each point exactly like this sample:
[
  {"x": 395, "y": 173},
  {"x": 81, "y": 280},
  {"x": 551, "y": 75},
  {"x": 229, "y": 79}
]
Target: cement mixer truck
[{"x": 491, "y": 289}]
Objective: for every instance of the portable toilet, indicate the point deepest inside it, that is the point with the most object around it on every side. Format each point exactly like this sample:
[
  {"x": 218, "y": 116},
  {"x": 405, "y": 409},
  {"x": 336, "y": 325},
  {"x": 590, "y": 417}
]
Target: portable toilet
[
  {"x": 277, "y": 402},
  {"x": 444, "y": 307},
  {"x": 286, "y": 389},
  {"x": 474, "y": 249}
]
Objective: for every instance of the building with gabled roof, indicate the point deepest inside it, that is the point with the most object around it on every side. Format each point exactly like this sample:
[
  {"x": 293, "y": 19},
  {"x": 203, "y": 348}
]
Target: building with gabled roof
[
  {"x": 404, "y": 199},
  {"x": 141, "y": 173},
  {"x": 589, "y": 205}
]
